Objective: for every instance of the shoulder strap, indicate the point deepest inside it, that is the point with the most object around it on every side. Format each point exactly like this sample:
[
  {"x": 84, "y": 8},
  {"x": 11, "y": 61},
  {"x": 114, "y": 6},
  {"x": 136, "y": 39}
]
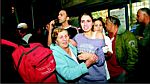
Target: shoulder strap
[
  {"x": 25, "y": 54},
  {"x": 17, "y": 67}
]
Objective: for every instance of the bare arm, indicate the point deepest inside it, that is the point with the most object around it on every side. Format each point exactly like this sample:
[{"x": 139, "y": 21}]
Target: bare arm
[
  {"x": 49, "y": 27},
  {"x": 90, "y": 58}
]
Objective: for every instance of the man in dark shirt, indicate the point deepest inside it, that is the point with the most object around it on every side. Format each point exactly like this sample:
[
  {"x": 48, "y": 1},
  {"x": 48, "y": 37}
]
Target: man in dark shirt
[
  {"x": 142, "y": 33},
  {"x": 63, "y": 19}
]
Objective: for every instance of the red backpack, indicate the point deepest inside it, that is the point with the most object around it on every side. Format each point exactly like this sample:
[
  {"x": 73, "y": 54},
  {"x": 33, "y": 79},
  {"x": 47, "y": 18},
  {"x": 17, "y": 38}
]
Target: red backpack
[{"x": 34, "y": 63}]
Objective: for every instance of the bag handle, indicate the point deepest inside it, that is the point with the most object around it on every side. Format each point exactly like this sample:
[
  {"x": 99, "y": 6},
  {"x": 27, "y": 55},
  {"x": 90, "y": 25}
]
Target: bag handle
[{"x": 9, "y": 43}]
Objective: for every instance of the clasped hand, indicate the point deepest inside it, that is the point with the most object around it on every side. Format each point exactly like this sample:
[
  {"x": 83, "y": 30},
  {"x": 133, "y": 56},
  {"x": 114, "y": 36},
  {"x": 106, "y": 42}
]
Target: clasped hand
[{"x": 89, "y": 57}]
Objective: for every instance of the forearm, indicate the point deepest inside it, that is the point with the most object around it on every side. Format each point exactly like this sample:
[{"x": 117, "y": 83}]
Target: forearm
[
  {"x": 89, "y": 58},
  {"x": 49, "y": 28},
  {"x": 49, "y": 38}
]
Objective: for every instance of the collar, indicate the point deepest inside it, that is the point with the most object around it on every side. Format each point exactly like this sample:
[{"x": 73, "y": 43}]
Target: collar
[{"x": 67, "y": 27}]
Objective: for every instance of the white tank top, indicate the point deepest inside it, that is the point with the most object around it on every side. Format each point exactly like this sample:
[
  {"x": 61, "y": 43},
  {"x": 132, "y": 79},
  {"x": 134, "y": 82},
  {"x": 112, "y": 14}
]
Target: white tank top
[{"x": 73, "y": 56}]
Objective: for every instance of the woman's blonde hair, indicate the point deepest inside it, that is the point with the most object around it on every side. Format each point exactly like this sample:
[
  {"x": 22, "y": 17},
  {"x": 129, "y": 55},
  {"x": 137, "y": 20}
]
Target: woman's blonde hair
[{"x": 55, "y": 34}]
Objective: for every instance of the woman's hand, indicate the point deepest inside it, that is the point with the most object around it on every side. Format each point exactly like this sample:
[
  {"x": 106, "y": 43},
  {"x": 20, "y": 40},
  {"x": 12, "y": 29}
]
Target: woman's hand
[
  {"x": 84, "y": 56},
  {"x": 91, "y": 60}
]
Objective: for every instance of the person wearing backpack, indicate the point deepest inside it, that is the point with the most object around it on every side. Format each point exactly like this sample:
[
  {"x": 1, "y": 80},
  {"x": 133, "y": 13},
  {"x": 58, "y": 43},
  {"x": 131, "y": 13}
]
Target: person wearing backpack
[
  {"x": 33, "y": 62},
  {"x": 69, "y": 70}
]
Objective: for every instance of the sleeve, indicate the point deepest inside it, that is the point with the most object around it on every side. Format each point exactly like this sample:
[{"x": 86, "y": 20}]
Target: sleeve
[
  {"x": 75, "y": 37},
  {"x": 132, "y": 51},
  {"x": 145, "y": 41},
  {"x": 67, "y": 72},
  {"x": 108, "y": 42},
  {"x": 101, "y": 57}
]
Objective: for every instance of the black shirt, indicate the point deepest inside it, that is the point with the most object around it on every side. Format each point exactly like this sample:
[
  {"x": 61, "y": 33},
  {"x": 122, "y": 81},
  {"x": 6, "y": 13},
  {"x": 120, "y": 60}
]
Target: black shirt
[{"x": 72, "y": 31}]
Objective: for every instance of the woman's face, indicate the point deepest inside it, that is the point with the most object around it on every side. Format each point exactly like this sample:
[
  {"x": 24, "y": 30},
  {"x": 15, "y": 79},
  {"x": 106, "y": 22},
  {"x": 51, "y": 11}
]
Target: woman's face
[
  {"x": 86, "y": 23},
  {"x": 98, "y": 26},
  {"x": 63, "y": 39}
]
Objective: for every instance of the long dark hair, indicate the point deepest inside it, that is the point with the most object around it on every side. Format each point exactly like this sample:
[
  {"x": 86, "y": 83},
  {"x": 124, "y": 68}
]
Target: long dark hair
[
  {"x": 84, "y": 13},
  {"x": 101, "y": 19}
]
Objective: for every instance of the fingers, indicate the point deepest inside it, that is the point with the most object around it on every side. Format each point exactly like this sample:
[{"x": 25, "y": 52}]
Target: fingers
[
  {"x": 52, "y": 22},
  {"x": 49, "y": 26},
  {"x": 84, "y": 56},
  {"x": 91, "y": 60},
  {"x": 88, "y": 56},
  {"x": 80, "y": 57},
  {"x": 94, "y": 58}
]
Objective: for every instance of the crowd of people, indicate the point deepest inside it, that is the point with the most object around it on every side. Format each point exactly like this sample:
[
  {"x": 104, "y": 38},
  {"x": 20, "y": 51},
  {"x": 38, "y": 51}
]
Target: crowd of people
[{"x": 90, "y": 55}]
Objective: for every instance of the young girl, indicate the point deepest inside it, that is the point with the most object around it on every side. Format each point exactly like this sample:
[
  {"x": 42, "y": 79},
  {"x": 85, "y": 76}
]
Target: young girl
[
  {"x": 86, "y": 44},
  {"x": 98, "y": 28}
]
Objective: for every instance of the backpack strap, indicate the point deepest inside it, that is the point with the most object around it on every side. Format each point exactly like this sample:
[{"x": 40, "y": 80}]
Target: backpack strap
[
  {"x": 20, "y": 60},
  {"x": 25, "y": 54}
]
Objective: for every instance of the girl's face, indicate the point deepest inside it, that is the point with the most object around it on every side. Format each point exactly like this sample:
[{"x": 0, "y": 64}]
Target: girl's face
[
  {"x": 86, "y": 23},
  {"x": 98, "y": 26},
  {"x": 63, "y": 39}
]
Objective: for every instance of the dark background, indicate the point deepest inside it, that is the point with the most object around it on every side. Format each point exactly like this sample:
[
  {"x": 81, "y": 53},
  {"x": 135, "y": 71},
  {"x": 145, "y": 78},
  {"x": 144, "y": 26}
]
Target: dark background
[{"x": 42, "y": 11}]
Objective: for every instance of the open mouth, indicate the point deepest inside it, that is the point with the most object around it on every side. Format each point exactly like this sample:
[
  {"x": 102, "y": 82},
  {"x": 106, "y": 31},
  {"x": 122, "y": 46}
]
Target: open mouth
[{"x": 85, "y": 28}]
